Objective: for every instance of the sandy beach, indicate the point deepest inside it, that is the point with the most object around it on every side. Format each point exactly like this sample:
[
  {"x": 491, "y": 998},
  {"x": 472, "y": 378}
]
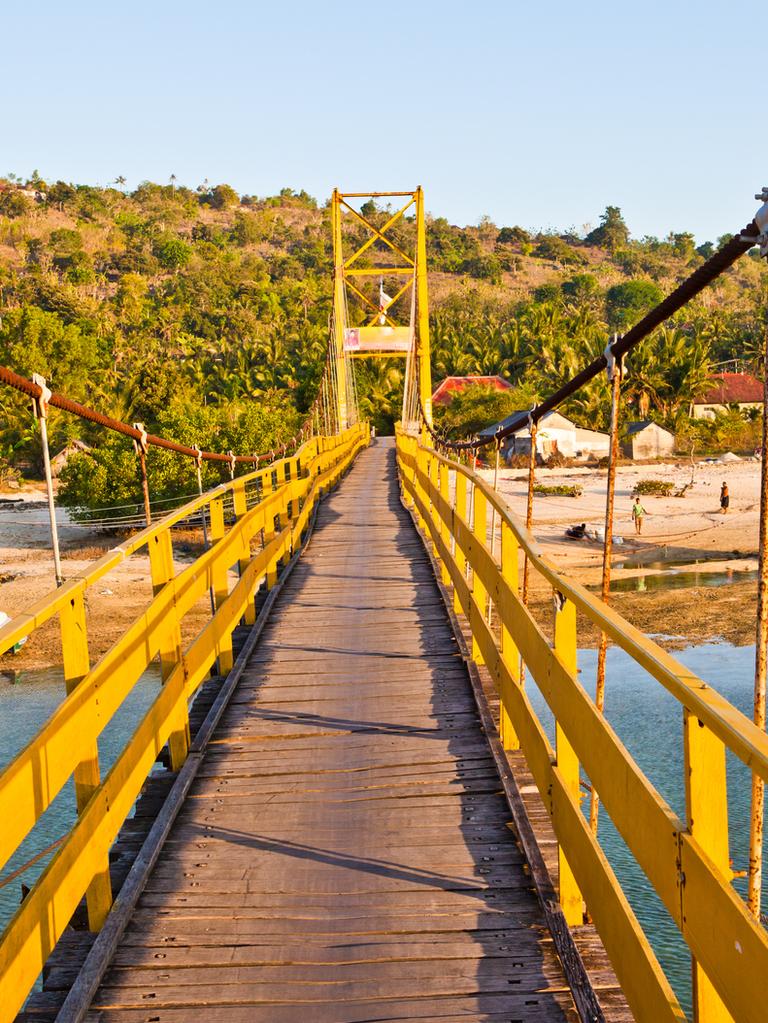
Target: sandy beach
[
  {"x": 689, "y": 529},
  {"x": 679, "y": 534},
  {"x": 27, "y": 574}
]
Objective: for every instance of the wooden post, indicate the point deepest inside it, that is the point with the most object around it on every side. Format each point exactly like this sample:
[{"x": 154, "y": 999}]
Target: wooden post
[
  {"x": 567, "y": 763},
  {"x": 613, "y": 455},
  {"x": 206, "y": 545},
  {"x": 529, "y": 504},
  {"x": 493, "y": 518},
  {"x": 74, "y": 648},
  {"x": 755, "y": 878}
]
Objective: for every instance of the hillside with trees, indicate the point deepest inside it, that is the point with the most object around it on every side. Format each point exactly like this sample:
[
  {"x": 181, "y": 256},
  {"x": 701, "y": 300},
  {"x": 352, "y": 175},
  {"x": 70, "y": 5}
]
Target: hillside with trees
[{"x": 204, "y": 315}]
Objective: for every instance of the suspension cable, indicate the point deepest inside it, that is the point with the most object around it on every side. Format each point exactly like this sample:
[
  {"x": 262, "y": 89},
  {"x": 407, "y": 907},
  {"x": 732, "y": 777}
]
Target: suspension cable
[
  {"x": 60, "y": 401},
  {"x": 698, "y": 280}
]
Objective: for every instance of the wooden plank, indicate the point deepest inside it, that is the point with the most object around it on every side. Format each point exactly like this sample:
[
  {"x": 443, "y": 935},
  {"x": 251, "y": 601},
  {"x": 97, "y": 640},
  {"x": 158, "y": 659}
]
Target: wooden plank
[{"x": 345, "y": 852}]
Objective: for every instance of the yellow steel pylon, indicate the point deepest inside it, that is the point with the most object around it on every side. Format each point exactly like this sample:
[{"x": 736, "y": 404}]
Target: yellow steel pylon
[{"x": 382, "y": 336}]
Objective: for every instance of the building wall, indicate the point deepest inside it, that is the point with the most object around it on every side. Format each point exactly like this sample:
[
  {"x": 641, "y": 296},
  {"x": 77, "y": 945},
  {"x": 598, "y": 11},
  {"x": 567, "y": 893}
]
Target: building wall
[
  {"x": 650, "y": 443},
  {"x": 710, "y": 411}
]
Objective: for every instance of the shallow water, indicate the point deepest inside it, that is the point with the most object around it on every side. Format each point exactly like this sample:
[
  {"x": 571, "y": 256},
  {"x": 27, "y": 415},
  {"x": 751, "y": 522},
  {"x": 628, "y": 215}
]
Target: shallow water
[
  {"x": 649, "y": 722},
  {"x": 653, "y": 581},
  {"x": 25, "y": 705},
  {"x": 647, "y": 719}
]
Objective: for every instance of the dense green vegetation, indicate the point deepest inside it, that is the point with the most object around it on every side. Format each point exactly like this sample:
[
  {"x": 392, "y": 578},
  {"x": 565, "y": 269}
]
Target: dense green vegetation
[{"x": 204, "y": 315}]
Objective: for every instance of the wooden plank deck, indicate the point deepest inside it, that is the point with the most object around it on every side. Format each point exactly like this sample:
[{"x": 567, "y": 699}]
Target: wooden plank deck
[{"x": 345, "y": 852}]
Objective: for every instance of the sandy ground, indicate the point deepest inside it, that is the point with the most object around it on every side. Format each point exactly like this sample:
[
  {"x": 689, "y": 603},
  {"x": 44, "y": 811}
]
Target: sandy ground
[
  {"x": 27, "y": 574},
  {"x": 690, "y": 528}
]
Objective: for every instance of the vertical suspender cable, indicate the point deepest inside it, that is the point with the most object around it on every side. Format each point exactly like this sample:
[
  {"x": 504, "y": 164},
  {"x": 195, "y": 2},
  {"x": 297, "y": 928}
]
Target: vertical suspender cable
[
  {"x": 140, "y": 446},
  {"x": 41, "y": 411}
]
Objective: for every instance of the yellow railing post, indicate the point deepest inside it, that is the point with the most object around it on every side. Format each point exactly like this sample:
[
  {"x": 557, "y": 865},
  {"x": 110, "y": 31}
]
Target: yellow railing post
[
  {"x": 706, "y": 800},
  {"x": 509, "y": 652},
  {"x": 161, "y": 569},
  {"x": 422, "y": 469},
  {"x": 479, "y": 592},
  {"x": 279, "y": 478},
  {"x": 74, "y": 647},
  {"x": 267, "y": 487},
  {"x": 240, "y": 505},
  {"x": 445, "y": 528},
  {"x": 460, "y": 512},
  {"x": 432, "y": 472},
  {"x": 276, "y": 520},
  {"x": 567, "y": 763},
  {"x": 219, "y": 573}
]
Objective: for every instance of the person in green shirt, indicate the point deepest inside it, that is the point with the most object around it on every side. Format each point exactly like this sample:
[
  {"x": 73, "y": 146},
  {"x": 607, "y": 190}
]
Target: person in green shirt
[{"x": 637, "y": 515}]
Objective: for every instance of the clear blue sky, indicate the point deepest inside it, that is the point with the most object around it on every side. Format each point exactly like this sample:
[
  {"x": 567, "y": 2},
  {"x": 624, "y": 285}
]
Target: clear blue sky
[{"x": 530, "y": 112}]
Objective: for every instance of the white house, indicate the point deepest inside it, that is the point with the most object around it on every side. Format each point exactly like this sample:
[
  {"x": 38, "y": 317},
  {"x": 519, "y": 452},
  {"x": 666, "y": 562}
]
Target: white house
[{"x": 554, "y": 433}]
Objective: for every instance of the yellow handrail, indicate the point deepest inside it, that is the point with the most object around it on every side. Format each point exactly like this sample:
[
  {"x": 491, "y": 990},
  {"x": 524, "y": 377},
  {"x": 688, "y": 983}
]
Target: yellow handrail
[
  {"x": 66, "y": 745},
  {"x": 686, "y": 861}
]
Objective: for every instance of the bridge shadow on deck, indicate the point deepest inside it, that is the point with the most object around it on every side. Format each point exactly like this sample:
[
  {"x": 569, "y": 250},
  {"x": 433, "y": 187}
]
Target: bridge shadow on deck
[{"x": 345, "y": 855}]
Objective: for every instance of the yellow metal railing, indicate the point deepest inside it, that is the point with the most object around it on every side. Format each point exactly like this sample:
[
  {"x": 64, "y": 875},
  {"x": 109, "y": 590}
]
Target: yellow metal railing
[
  {"x": 66, "y": 745},
  {"x": 685, "y": 860}
]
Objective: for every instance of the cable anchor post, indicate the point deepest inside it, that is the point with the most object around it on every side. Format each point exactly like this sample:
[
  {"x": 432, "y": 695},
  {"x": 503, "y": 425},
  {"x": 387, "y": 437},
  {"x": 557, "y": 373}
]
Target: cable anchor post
[
  {"x": 613, "y": 365},
  {"x": 761, "y": 220},
  {"x": 40, "y": 408},
  {"x": 141, "y": 446}
]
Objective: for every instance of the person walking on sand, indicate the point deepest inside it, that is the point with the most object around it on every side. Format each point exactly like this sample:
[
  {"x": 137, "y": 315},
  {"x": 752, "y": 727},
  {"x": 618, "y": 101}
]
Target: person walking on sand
[
  {"x": 725, "y": 498},
  {"x": 637, "y": 516}
]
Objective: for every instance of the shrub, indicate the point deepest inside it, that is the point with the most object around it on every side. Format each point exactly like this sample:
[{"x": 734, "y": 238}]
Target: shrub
[
  {"x": 557, "y": 460},
  {"x": 557, "y": 490},
  {"x": 7, "y": 473},
  {"x": 512, "y": 235},
  {"x": 628, "y": 302},
  {"x": 171, "y": 252},
  {"x": 13, "y": 204},
  {"x": 654, "y": 488}
]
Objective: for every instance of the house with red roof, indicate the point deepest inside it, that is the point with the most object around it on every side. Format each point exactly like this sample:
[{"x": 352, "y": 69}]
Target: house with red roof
[
  {"x": 447, "y": 389},
  {"x": 728, "y": 389}
]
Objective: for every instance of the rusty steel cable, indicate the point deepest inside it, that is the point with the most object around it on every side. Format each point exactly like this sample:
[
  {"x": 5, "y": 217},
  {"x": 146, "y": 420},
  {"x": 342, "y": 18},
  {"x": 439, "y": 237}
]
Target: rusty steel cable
[
  {"x": 699, "y": 279},
  {"x": 60, "y": 401}
]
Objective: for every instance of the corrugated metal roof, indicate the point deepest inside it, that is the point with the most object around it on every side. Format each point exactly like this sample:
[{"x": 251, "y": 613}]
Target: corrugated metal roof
[
  {"x": 446, "y": 389},
  {"x": 737, "y": 388}
]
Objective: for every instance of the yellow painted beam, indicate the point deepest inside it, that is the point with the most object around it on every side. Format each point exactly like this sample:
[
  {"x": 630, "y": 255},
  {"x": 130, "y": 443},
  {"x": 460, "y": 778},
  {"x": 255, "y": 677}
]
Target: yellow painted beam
[{"x": 685, "y": 861}]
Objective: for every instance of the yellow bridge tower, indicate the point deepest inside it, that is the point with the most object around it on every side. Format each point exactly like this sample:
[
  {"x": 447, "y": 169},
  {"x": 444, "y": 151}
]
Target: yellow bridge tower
[{"x": 393, "y": 264}]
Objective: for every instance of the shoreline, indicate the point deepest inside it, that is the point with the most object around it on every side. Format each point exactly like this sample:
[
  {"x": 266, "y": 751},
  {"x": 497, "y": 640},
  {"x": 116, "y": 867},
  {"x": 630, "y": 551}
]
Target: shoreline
[{"x": 688, "y": 530}]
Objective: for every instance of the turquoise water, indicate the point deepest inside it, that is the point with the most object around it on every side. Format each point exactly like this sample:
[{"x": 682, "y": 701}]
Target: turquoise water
[
  {"x": 649, "y": 722},
  {"x": 647, "y": 719},
  {"x": 25, "y": 705}
]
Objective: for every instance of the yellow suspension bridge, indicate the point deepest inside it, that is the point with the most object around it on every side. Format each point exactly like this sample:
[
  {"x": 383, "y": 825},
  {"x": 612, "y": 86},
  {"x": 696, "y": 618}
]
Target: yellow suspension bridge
[{"x": 341, "y": 805}]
